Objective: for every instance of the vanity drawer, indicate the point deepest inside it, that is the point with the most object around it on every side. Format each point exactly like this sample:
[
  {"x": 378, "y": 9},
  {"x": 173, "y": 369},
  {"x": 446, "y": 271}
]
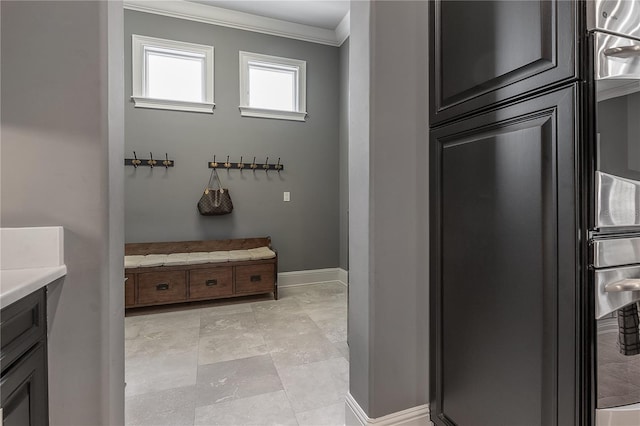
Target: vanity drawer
[
  {"x": 255, "y": 278},
  {"x": 22, "y": 324},
  {"x": 160, "y": 287},
  {"x": 208, "y": 283}
]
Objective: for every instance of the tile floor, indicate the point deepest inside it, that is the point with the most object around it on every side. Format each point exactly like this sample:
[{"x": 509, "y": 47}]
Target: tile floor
[{"x": 260, "y": 362}]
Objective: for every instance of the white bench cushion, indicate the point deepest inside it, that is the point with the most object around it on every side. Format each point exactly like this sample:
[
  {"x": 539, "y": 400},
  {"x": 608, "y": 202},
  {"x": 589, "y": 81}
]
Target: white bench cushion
[
  {"x": 132, "y": 261},
  {"x": 153, "y": 260},
  {"x": 175, "y": 259},
  {"x": 261, "y": 253},
  {"x": 236, "y": 255},
  {"x": 198, "y": 257},
  {"x": 218, "y": 256}
]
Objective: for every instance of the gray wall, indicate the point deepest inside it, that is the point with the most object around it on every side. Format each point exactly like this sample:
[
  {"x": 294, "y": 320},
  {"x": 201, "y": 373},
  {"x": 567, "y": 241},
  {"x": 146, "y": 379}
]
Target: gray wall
[
  {"x": 61, "y": 164},
  {"x": 344, "y": 155},
  {"x": 359, "y": 204},
  {"x": 388, "y": 214},
  {"x": 160, "y": 205}
]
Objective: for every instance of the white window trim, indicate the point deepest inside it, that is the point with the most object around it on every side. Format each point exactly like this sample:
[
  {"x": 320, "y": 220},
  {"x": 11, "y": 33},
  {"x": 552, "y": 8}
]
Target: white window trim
[
  {"x": 249, "y": 111},
  {"x": 138, "y": 74}
]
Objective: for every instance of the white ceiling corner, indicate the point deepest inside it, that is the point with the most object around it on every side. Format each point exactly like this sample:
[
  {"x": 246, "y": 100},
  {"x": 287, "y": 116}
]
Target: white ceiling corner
[{"x": 245, "y": 21}]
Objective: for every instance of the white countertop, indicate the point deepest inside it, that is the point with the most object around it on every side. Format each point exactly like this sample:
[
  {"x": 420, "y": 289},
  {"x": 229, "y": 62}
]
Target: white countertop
[
  {"x": 18, "y": 283},
  {"x": 30, "y": 258}
]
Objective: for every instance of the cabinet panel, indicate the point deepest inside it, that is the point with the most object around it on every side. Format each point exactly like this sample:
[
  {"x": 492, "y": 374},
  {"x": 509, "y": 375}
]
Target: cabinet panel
[
  {"x": 159, "y": 287},
  {"x": 504, "y": 266},
  {"x": 22, "y": 324},
  {"x": 210, "y": 283},
  {"x": 130, "y": 290},
  {"x": 485, "y": 52},
  {"x": 24, "y": 390},
  {"x": 255, "y": 278}
]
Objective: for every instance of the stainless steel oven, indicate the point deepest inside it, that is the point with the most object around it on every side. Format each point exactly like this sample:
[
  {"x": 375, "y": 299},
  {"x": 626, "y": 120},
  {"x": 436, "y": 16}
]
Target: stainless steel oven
[
  {"x": 617, "y": 80},
  {"x": 616, "y": 264},
  {"x": 615, "y": 228}
]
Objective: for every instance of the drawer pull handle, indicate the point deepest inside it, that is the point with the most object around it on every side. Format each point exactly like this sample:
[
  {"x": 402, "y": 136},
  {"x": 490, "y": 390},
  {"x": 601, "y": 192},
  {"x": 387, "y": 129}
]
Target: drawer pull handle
[
  {"x": 623, "y": 285},
  {"x": 163, "y": 286},
  {"x": 256, "y": 278},
  {"x": 211, "y": 283}
]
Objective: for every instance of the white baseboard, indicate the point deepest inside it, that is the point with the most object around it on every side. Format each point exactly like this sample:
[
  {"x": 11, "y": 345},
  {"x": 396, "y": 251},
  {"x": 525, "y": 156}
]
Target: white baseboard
[
  {"x": 355, "y": 416},
  {"x": 312, "y": 276},
  {"x": 343, "y": 276}
]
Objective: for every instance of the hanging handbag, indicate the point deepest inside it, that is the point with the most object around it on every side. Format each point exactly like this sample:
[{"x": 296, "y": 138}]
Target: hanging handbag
[{"x": 215, "y": 201}]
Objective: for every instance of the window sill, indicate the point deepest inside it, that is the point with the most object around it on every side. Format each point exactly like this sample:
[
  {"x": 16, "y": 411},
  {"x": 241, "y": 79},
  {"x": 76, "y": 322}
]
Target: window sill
[
  {"x": 246, "y": 111},
  {"x": 142, "y": 102}
]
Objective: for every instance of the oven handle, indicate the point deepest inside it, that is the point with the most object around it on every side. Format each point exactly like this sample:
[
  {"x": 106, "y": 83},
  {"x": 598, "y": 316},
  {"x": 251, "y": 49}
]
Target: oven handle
[
  {"x": 623, "y": 285},
  {"x": 623, "y": 51}
]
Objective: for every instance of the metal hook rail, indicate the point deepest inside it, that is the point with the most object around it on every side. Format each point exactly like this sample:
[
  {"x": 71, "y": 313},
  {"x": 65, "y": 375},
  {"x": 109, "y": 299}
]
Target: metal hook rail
[
  {"x": 240, "y": 165},
  {"x": 150, "y": 162}
]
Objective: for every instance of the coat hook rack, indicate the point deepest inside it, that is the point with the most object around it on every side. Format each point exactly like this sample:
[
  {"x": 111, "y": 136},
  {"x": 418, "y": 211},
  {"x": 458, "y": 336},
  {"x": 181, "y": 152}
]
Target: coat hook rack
[
  {"x": 150, "y": 162},
  {"x": 240, "y": 165}
]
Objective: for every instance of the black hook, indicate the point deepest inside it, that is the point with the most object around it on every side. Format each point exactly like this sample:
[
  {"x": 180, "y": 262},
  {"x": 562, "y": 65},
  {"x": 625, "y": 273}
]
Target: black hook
[
  {"x": 253, "y": 165},
  {"x": 266, "y": 166},
  {"x": 215, "y": 163},
  {"x": 152, "y": 162},
  {"x": 135, "y": 162},
  {"x": 227, "y": 164},
  {"x": 278, "y": 167},
  {"x": 241, "y": 164},
  {"x": 166, "y": 162}
]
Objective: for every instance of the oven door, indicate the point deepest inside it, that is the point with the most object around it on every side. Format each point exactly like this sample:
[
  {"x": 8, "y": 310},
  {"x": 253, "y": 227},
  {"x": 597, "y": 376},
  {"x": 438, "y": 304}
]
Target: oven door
[
  {"x": 617, "y": 80},
  {"x": 616, "y": 265}
]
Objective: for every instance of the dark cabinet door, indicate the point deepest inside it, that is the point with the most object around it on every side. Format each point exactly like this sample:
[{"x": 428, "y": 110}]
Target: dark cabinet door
[
  {"x": 24, "y": 390},
  {"x": 485, "y": 52},
  {"x": 503, "y": 272}
]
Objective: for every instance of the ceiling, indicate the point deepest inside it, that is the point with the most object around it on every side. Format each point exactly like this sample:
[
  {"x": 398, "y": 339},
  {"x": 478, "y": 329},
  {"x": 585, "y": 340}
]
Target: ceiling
[{"x": 317, "y": 13}]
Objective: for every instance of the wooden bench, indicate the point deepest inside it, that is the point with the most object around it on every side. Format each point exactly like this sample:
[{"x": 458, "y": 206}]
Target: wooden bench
[{"x": 159, "y": 285}]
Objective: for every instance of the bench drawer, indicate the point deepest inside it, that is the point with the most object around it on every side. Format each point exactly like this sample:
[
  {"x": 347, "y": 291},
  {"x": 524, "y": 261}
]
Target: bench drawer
[
  {"x": 209, "y": 283},
  {"x": 130, "y": 290},
  {"x": 255, "y": 278},
  {"x": 158, "y": 287}
]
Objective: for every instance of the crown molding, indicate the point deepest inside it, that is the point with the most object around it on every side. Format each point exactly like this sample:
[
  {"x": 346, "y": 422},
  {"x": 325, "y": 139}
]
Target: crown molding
[
  {"x": 241, "y": 20},
  {"x": 343, "y": 29}
]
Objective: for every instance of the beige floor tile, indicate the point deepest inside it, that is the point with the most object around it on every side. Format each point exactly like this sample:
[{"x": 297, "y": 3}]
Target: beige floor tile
[
  {"x": 175, "y": 320},
  {"x": 266, "y": 409},
  {"x": 163, "y": 342},
  {"x": 343, "y": 347},
  {"x": 172, "y": 407},
  {"x": 150, "y": 374},
  {"x": 230, "y": 345},
  {"x": 316, "y": 385},
  {"x": 303, "y": 349},
  {"x": 278, "y": 327},
  {"x": 230, "y": 380},
  {"x": 236, "y": 323},
  {"x": 281, "y": 308},
  {"x": 333, "y": 415}
]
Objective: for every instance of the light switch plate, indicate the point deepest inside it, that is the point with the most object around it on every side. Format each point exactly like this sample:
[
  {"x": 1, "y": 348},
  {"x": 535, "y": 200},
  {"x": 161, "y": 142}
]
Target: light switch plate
[{"x": 287, "y": 196}]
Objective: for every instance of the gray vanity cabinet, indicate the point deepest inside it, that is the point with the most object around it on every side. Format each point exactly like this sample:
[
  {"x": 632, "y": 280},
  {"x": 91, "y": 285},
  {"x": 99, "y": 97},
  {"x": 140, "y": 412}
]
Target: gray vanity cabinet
[{"x": 23, "y": 361}]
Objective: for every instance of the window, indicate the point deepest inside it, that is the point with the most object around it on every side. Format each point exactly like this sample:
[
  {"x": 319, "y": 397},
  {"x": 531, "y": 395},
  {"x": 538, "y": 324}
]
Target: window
[
  {"x": 272, "y": 87},
  {"x": 172, "y": 75}
]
